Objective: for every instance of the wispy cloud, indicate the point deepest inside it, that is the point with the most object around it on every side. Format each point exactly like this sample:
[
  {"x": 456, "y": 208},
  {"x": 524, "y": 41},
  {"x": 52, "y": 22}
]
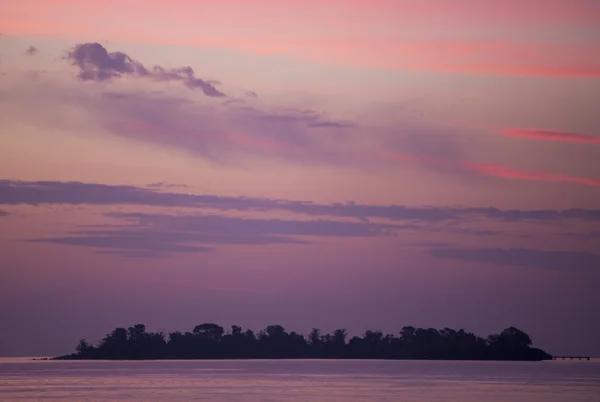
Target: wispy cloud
[
  {"x": 224, "y": 133},
  {"x": 558, "y": 260},
  {"x": 75, "y": 193},
  {"x": 95, "y": 63},
  {"x": 290, "y": 134},
  {"x": 552, "y": 135}
]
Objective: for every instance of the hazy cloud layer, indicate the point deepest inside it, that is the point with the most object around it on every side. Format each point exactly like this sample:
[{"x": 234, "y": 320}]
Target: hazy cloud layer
[
  {"x": 53, "y": 192},
  {"x": 560, "y": 260},
  {"x": 227, "y": 133},
  {"x": 95, "y": 63},
  {"x": 131, "y": 243},
  {"x": 159, "y": 235},
  {"x": 217, "y": 224},
  {"x": 222, "y": 134},
  {"x": 594, "y": 234},
  {"x": 301, "y": 136}
]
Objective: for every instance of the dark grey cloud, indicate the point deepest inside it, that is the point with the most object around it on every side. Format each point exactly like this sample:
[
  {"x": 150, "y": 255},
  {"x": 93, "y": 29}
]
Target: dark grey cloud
[
  {"x": 290, "y": 116},
  {"x": 476, "y": 232},
  {"x": 307, "y": 118},
  {"x": 189, "y": 79},
  {"x": 233, "y": 101},
  {"x": 31, "y": 50},
  {"x": 49, "y": 192},
  {"x": 310, "y": 118},
  {"x": 53, "y": 192},
  {"x": 3, "y": 213},
  {"x": 95, "y": 63},
  {"x": 557, "y": 260},
  {"x": 166, "y": 185},
  {"x": 594, "y": 234},
  {"x": 130, "y": 243},
  {"x": 233, "y": 226},
  {"x": 156, "y": 235},
  {"x": 330, "y": 124}
]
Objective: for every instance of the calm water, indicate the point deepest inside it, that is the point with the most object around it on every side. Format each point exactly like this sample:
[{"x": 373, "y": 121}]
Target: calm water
[{"x": 299, "y": 380}]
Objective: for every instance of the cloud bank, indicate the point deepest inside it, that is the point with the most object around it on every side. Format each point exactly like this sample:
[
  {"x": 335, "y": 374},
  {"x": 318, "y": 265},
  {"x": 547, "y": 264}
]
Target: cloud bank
[
  {"x": 162, "y": 235},
  {"x": 159, "y": 235},
  {"x": 556, "y": 260},
  {"x": 75, "y": 193}
]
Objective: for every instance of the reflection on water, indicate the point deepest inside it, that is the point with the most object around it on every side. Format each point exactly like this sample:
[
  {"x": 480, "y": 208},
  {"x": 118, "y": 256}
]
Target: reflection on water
[{"x": 299, "y": 380}]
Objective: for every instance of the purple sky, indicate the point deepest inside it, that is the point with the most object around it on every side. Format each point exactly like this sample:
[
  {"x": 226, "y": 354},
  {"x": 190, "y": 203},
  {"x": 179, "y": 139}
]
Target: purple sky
[{"x": 365, "y": 165}]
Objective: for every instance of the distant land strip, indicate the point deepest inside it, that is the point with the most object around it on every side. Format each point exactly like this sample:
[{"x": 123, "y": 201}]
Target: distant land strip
[{"x": 210, "y": 341}]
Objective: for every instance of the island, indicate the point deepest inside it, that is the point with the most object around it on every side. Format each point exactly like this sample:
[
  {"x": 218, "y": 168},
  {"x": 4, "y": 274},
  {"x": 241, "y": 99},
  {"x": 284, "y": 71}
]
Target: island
[{"x": 210, "y": 341}]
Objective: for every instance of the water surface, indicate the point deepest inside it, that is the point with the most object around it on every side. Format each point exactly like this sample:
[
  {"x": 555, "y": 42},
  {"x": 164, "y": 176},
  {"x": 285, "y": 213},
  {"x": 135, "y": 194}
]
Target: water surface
[{"x": 299, "y": 380}]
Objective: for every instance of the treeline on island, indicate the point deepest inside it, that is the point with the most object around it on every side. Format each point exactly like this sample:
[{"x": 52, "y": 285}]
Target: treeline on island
[{"x": 210, "y": 341}]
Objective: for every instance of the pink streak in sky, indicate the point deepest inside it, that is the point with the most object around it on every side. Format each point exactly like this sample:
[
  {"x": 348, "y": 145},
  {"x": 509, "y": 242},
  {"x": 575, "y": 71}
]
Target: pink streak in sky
[
  {"x": 509, "y": 173},
  {"x": 551, "y": 135},
  {"x": 533, "y": 11},
  {"x": 415, "y": 35},
  {"x": 493, "y": 170}
]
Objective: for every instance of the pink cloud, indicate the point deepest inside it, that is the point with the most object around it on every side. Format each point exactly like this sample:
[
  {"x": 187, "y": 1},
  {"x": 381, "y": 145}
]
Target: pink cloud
[
  {"x": 492, "y": 170},
  {"x": 551, "y": 135},
  {"x": 509, "y": 173}
]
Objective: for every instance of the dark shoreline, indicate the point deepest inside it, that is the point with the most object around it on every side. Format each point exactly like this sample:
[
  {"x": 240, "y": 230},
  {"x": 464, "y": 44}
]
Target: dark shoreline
[
  {"x": 210, "y": 342},
  {"x": 74, "y": 357}
]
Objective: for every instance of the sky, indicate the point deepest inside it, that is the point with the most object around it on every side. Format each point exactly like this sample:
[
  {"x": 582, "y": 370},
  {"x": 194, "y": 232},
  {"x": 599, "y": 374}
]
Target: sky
[{"x": 333, "y": 164}]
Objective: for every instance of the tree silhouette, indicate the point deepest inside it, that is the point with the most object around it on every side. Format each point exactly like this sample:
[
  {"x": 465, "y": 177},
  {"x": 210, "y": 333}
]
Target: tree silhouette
[{"x": 209, "y": 341}]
